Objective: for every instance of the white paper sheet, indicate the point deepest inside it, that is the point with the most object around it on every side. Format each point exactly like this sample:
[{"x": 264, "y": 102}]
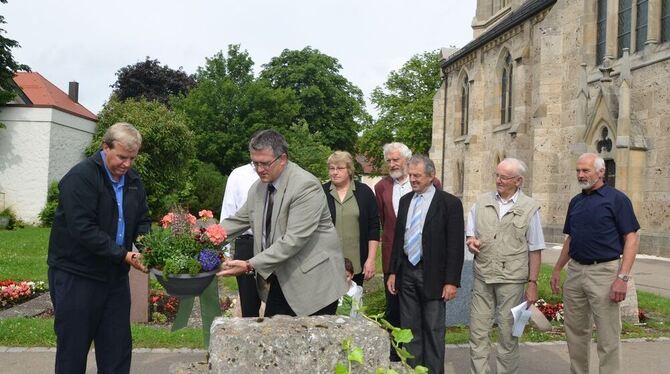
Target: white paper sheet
[{"x": 521, "y": 315}]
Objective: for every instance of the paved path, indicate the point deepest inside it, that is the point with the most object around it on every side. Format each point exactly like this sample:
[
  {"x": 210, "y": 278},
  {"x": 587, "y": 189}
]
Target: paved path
[
  {"x": 651, "y": 273},
  {"x": 640, "y": 357}
]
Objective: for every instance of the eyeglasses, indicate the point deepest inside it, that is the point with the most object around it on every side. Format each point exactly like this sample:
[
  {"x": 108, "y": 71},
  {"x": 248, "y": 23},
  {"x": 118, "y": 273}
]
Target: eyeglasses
[
  {"x": 333, "y": 168},
  {"x": 504, "y": 177},
  {"x": 263, "y": 165}
]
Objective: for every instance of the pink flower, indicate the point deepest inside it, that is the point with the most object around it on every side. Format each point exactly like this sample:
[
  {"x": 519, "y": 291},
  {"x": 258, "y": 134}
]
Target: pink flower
[
  {"x": 205, "y": 214},
  {"x": 190, "y": 218},
  {"x": 167, "y": 220},
  {"x": 216, "y": 234}
]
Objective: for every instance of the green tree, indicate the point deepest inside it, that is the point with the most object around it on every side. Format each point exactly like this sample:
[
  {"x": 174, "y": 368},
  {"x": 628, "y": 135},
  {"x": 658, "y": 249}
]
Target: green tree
[
  {"x": 329, "y": 103},
  {"x": 166, "y": 153},
  {"x": 307, "y": 149},
  {"x": 151, "y": 80},
  {"x": 8, "y": 66},
  {"x": 405, "y": 104},
  {"x": 228, "y": 105}
]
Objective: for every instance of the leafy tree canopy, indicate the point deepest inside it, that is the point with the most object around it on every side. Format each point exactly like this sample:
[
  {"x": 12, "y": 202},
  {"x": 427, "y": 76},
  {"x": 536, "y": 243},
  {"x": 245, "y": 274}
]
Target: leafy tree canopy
[
  {"x": 166, "y": 153},
  {"x": 227, "y": 106},
  {"x": 8, "y": 66},
  {"x": 307, "y": 149},
  {"x": 405, "y": 104},
  {"x": 329, "y": 103},
  {"x": 152, "y": 81}
]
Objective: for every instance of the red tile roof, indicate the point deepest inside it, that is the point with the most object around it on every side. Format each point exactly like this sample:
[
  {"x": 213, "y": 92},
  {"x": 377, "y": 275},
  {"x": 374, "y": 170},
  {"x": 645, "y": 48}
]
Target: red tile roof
[{"x": 43, "y": 93}]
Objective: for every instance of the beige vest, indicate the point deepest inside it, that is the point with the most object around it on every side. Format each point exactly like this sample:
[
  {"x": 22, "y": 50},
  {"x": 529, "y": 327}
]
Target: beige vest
[{"x": 503, "y": 256}]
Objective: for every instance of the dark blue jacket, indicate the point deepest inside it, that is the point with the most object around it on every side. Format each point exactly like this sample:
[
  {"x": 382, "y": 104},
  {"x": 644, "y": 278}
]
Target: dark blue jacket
[{"x": 83, "y": 233}]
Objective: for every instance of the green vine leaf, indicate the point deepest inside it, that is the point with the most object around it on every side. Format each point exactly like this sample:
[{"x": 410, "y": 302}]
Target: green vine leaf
[
  {"x": 340, "y": 368},
  {"x": 420, "y": 370},
  {"x": 402, "y": 335},
  {"x": 356, "y": 355}
]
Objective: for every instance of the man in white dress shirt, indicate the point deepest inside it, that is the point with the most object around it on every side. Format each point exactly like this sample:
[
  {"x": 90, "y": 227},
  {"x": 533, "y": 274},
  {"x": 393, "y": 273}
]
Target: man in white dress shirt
[
  {"x": 237, "y": 188},
  {"x": 504, "y": 233}
]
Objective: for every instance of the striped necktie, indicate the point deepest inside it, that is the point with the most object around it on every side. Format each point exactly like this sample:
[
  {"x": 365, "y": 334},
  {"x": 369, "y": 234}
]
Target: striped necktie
[{"x": 413, "y": 236}]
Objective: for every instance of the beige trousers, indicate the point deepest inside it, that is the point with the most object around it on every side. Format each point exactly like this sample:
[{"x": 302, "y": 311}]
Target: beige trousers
[
  {"x": 585, "y": 301},
  {"x": 488, "y": 299}
]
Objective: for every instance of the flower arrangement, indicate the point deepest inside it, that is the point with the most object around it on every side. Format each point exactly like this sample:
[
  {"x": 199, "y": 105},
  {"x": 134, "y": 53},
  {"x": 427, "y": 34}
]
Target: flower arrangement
[
  {"x": 184, "y": 244},
  {"x": 13, "y": 292},
  {"x": 551, "y": 311}
]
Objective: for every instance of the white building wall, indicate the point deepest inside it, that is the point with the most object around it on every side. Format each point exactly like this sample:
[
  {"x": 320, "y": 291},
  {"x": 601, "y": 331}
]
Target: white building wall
[{"x": 35, "y": 147}]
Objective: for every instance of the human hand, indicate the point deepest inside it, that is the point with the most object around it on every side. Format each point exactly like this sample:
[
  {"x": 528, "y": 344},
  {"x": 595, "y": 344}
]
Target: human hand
[
  {"x": 134, "y": 259},
  {"x": 390, "y": 284},
  {"x": 449, "y": 292},
  {"x": 473, "y": 244},
  {"x": 531, "y": 294},
  {"x": 369, "y": 269},
  {"x": 231, "y": 268},
  {"x": 618, "y": 290},
  {"x": 556, "y": 282}
]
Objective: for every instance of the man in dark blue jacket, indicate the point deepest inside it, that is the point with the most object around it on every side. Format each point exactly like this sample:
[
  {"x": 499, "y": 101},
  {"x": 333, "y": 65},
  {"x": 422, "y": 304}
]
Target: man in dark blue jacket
[{"x": 102, "y": 208}]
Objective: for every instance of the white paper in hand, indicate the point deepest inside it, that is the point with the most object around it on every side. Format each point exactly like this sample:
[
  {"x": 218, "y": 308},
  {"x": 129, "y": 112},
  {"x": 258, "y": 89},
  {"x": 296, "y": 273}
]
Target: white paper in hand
[{"x": 521, "y": 315}]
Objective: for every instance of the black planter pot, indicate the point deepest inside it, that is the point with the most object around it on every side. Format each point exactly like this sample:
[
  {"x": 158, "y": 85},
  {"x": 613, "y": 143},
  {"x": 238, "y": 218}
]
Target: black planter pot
[{"x": 184, "y": 284}]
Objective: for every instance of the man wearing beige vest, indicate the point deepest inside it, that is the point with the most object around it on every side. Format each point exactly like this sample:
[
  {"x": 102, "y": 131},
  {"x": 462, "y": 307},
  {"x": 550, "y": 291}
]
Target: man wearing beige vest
[{"x": 504, "y": 233}]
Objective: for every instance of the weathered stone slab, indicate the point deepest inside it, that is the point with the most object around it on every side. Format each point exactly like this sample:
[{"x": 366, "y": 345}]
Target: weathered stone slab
[
  {"x": 458, "y": 309},
  {"x": 283, "y": 344}
]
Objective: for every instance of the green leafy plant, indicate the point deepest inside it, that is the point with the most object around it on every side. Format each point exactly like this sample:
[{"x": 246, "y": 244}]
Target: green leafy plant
[
  {"x": 47, "y": 214},
  {"x": 12, "y": 221}
]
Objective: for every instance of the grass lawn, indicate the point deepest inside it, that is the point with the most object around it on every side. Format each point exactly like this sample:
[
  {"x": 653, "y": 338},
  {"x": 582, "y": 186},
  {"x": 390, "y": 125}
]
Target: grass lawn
[{"x": 23, "y": 253}]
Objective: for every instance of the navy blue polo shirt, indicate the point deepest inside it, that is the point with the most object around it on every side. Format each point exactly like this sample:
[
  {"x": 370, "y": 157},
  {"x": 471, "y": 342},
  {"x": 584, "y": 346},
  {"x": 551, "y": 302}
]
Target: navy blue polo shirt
[{"x": 597, "y": 223}]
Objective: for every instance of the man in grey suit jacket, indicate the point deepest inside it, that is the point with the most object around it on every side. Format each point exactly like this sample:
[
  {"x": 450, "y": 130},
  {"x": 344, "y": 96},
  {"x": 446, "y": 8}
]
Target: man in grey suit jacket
[{"x": 296, "y": 249}]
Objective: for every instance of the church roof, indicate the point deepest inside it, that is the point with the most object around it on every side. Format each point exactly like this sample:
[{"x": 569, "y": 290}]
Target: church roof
[
  {"x": 42, "y": 93},
  {"x": 514, "y": 18}
]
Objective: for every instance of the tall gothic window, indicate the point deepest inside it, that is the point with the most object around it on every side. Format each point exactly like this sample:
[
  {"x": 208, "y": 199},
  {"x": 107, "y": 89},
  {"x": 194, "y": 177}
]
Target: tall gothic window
[
  {"x": 610, "y": 172},
  {"x": 506, "y": 91},
  {"x": 641, "y": 21},
  {"x": 465, "y": 105},
  {"x": 665, "y": 21},
  {"x": 623, "y": 34},
  {"x": 602, "y": 31}
]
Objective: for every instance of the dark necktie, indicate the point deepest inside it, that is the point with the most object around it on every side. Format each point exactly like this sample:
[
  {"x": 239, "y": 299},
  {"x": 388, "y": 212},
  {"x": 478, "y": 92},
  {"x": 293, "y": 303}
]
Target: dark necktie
[{"x": 268, "y": 214}]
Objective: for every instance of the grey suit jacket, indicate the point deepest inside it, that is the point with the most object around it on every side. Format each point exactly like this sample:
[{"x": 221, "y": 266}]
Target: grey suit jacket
[{"x": 304, "y": 251}]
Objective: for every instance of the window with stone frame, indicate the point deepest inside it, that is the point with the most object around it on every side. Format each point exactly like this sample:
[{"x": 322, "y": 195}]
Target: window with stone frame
[
  {"x": 624, "y": 26},
  {"x": 601, "y": 37},
  {"x": 641, "y": 20},
  {"x": 459, "y": 178},
  {"x": 465, "y": 105},
  {"x": 610, "y": 172},
  {"x": 665, "y": 21},
  {"x": 506, "y": 90}
]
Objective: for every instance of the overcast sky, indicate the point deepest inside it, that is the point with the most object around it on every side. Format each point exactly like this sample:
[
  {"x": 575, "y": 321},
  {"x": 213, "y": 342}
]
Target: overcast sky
[{"x": 89, "y": 40}]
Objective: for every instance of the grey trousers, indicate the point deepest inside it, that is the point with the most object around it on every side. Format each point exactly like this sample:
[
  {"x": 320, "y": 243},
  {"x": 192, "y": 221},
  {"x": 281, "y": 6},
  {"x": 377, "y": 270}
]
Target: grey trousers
[{"x": 426, "y": 319}]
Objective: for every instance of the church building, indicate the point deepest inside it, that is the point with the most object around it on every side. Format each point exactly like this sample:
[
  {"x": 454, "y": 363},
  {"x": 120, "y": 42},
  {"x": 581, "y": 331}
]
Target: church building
[{"x": 545, "y": 81}]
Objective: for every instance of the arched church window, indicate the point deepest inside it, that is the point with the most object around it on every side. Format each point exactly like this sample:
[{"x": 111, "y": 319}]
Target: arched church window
[
  {"x": 641, "y": 24},
  {"x": 602, "y": 31},
  {"x": 624, "y": 23},
  {"x": 665, "y": 21},
  {"x": 465, "y": 105},
  {"x": 506, "y": 91},
  {"x": 610, "y": 172}
]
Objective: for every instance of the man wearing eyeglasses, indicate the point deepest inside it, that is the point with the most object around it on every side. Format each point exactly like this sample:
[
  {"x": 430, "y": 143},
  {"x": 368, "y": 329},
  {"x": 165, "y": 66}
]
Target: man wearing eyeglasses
[
  {"x": 504, "y": 233},
  {"x": 297, "y": 255}
]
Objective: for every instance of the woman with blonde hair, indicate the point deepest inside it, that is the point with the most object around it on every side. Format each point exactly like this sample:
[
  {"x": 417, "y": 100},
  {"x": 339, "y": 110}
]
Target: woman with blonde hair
[{"x": 353, "y": 209}]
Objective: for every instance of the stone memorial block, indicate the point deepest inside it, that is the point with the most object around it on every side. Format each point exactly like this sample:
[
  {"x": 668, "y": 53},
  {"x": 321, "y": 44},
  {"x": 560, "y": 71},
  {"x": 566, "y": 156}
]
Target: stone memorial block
[
  {"x": 284, "y": 344},
  {"x": 458, "y": 309}
]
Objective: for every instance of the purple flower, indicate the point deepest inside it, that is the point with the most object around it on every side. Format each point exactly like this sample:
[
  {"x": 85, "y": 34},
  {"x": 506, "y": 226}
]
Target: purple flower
[{"x": 209, "y": 260}]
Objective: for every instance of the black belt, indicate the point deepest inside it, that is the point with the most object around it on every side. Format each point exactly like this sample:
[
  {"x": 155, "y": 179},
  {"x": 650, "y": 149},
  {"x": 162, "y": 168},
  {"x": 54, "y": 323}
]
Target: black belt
[
  {"x": 245, "y": 236},
  {"x": 594, "y": 262}
]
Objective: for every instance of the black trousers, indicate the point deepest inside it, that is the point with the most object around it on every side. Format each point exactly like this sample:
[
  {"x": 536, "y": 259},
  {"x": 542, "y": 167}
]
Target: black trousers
[
  {"x": 425, "y": 317},
  {"x": 85, "y": 311},
  {"x": 392, "y": 314},
  {"x": 277, "y": 304},
  {"x": 250, "y": 303}
]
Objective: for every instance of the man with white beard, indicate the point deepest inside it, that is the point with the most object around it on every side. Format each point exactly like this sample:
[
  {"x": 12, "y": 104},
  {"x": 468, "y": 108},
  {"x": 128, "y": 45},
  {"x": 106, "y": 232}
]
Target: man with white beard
[{"x": 601, "y": 244}]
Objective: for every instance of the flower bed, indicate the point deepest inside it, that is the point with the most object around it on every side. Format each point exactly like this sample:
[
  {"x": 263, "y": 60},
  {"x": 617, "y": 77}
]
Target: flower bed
[
  {"x": 553, "y": 312},
  {"x": 16, "y": 292}
]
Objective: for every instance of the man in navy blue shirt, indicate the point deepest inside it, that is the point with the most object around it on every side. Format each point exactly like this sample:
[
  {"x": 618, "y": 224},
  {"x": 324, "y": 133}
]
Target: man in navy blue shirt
[{"x": 601, "y": 245}]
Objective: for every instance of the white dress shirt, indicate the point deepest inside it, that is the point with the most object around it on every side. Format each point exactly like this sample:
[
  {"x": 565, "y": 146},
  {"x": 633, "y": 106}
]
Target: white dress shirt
[
  {"x": 237, "y": 189},
  {"x": 400, "y": 189}
]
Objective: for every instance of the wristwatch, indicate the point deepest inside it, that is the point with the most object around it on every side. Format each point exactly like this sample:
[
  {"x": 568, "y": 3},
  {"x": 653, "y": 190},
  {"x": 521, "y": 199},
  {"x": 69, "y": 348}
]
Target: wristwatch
[{"x": 623, "y": 277}]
